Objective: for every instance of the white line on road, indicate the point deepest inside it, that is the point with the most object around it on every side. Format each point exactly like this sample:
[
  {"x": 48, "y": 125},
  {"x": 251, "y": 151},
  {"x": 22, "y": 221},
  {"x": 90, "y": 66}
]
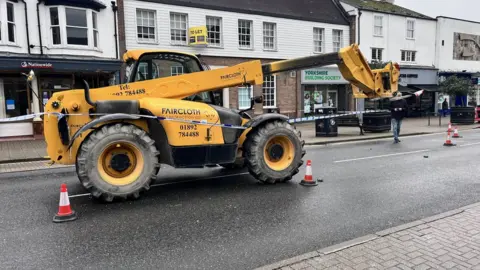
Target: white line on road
[
  {"x": 468, "y": 144},
  {"x": 169, "y": 183},
  {"x": 380, "y": 156}
]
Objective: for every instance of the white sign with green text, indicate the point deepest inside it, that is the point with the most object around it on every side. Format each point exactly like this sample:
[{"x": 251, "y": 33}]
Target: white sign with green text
[{"x": 323, "y": 76}]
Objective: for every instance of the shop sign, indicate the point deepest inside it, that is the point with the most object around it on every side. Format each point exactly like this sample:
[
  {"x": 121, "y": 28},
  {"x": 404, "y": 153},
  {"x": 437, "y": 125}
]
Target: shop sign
[
  {"x": 323, "y": 76},
  {"x": 27, "y": 64}
]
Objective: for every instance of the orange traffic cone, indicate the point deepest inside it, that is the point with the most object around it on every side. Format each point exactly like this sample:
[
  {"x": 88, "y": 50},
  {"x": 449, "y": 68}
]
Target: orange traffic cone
[
  {"x": 308, "y": 179},
  {"x": 455, "y": 133},
  {"x": 65, "y": 213},
  {"x": 448, "y": 142},
  {"x": 449, "y": 127}
]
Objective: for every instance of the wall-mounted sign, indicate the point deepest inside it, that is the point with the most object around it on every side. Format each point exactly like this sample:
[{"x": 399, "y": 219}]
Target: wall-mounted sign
[
  {"x": 323, "y": 76},
  {"x": 197, "y": 35},
  {"x": 27, "y": 64}
]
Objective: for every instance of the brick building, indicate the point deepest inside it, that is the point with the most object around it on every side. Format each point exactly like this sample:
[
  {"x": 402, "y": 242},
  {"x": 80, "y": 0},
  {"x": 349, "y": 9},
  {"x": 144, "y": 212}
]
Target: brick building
[{"x": 269, "y": 30}]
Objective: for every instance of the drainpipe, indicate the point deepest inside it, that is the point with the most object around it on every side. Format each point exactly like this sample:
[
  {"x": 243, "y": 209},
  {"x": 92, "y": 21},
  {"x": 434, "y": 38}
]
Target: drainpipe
[
  {"x": 26, "y": 23},
  {"x": 359, "y": 15},
  {"x": 115, "y": 8},
  {"x": 39, "y": 28}
]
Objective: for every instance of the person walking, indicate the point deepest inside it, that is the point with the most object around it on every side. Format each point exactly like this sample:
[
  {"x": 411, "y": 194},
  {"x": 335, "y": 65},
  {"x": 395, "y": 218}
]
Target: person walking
[
  {"x": 398, "y": 108},
  {"x": 445, "y": 107}
]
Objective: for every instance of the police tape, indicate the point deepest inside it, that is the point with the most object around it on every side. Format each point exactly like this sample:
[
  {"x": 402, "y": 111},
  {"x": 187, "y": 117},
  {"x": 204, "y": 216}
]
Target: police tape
[{"x": 196, "y": 122}]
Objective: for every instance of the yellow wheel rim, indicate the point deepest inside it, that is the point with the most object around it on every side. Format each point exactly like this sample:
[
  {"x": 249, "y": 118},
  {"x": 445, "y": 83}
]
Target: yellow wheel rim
[
  {"x": 279, "y": 153},
  {"x": 120, "y": 163}
]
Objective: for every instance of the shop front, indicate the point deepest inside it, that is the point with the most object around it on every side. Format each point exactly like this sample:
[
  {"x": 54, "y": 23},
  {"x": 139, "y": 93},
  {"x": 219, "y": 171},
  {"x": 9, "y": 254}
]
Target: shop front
[
  {"x": 21, "y": 95},
  {"x": 324, "y": 90}
]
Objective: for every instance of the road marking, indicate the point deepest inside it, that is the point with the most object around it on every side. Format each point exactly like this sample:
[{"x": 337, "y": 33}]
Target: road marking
[
  {"x": 380, "y": 156},
  {"x": 169, "y": 183},
  {"x": 468, "y": 144}
]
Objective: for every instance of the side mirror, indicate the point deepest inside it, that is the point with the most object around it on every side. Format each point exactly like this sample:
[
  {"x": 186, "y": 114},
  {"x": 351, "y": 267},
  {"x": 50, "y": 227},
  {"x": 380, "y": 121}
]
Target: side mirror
[{"x": 258, "y": 99}]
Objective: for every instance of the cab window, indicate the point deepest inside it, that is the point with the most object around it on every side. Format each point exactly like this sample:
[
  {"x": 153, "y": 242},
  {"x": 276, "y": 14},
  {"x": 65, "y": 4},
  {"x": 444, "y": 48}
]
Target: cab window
[{"x": 161, "y": 65}]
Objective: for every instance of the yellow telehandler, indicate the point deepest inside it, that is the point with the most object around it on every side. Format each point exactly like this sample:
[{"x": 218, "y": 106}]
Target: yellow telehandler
[{"x": 117, "y": 136}]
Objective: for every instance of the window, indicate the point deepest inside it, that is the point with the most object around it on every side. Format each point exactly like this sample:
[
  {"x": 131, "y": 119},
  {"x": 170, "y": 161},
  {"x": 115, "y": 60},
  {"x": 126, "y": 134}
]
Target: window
[
  {"x": 95, "y": 29},
  {"x": 178, "y": 28},
  {"x": 146, "y": 25},
  {"x": 410, "y": 29},
  {"x": 214, "y": 32},
  {"x": 77, "y": 29},
  {"x": 176, "y": 70},
  {"x": 408, "y": 56},
  {"x": 245, "y": 34},
  {"x": 55, "y": 26},
  {"x": 337, "y": 40},
  {"x": 377, "y": 54},
  {"x": 378, "y": 25},
  {"x": 10, "y": 22},
  {"x": 244, "y": 96},
  {"x": 318, "y": 38},
  {"x": 269, "y": 36},
  {"x": 269, "y": 92}
]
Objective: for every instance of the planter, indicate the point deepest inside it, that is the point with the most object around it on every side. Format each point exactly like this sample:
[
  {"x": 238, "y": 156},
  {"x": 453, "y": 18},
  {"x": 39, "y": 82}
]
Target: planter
[
  {"x": 377, "y": 122},
  {"x": 462, "y": 115}
]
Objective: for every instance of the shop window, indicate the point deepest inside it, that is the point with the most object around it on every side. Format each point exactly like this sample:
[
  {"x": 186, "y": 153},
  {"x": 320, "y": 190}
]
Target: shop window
[
  {"x": 214, "y": 31},
  {"x": 16, "y": 97},
  {"x": 10, "y": 22},
  {"x": 244, "y": 96},
  {"x": 146, "y": 24},
  {"x": 178, "y": 28},
  {"x": 269, "y": 91},
  {"x": 319, "y": 97},
  {"x": 245, "y": 34}
]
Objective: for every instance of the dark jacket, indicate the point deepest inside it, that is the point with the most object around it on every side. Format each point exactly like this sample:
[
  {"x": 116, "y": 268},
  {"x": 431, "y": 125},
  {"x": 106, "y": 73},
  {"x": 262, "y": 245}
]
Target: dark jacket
[{"x": 399, "y": 108}]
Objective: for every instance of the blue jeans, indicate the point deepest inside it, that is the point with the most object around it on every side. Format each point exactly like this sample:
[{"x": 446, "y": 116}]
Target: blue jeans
[{"x": 396, "y": 124}]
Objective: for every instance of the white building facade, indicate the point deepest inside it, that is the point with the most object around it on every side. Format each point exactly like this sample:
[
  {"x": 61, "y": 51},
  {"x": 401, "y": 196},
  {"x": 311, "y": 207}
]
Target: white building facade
[
  {"x": 387, "y": 32},
  {"x": 58, "y": 42},
  {"x": 236, "y": 34}
]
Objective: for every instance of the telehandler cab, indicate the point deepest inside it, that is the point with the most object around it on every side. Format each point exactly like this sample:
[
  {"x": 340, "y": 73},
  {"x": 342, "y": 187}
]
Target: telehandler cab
[{"x": 117, "y": 136}]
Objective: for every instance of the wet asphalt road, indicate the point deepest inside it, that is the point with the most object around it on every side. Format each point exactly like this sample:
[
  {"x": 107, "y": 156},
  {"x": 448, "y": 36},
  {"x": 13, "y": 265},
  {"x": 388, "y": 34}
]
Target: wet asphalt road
[{"x": 231, "y": 222}]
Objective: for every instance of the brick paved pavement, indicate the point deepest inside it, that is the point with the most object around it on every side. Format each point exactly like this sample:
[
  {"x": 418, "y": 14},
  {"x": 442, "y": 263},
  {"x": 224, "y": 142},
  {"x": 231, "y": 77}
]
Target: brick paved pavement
[
  {"x": 27, "y": 166},
  {"x": 447, "y": 241}
]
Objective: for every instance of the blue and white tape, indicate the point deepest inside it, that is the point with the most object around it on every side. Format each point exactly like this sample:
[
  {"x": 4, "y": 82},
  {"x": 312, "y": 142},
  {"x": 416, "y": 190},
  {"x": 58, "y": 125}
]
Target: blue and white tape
[{"x": 196, "y": 122}]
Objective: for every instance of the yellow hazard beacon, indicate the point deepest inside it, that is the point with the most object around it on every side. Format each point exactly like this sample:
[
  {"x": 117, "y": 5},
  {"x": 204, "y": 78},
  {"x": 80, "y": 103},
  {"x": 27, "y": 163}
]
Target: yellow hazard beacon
[{"x": 118, "y": 136}]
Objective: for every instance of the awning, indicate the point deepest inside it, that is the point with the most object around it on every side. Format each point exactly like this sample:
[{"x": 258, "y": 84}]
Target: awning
[
  {"x": 427, "y": 87},
  {"x": 93, "y": 4},
  {"x": 23, "y": 64}
]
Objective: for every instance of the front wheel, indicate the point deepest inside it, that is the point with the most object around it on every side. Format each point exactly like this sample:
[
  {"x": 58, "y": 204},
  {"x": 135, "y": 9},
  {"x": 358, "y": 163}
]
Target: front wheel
[
  {"x": 274, "y": 152},
  {"x": 117, "y": 161}
]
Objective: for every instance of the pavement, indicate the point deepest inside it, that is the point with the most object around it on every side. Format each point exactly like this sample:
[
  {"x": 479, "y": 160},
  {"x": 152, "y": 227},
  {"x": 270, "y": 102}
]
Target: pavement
[
  {"x": 450, "y": 240},
  {"x": 220, "y": 219},
  {"x": 33, "y": 150}
]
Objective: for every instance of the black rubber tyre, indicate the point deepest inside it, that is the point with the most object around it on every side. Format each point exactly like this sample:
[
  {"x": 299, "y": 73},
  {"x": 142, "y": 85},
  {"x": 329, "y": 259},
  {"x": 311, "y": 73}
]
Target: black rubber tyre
[
  {"x": 254, "y": 153},
  {"x": 91, "y": 151}
]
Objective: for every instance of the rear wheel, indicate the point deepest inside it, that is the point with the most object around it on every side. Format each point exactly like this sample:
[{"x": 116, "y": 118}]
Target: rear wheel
[
  {"x": 117, "y": 161},
  {"x": 274, "y": 152}
]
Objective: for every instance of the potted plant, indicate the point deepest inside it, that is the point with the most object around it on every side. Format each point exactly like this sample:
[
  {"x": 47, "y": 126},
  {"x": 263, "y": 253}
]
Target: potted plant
[{"x": 459, "y": 88}]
